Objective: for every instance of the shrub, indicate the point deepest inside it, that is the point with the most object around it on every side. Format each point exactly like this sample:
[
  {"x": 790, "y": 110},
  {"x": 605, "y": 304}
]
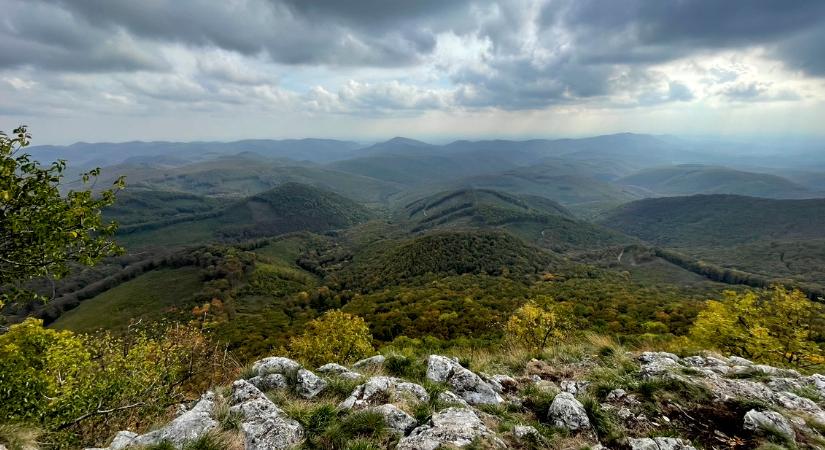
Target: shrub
[
  {"x": 334, "y": 337},
  {"x": 536, "y": 327},
  {"x": 776, "y": 326},
  {"x": 79, "y": 388}
]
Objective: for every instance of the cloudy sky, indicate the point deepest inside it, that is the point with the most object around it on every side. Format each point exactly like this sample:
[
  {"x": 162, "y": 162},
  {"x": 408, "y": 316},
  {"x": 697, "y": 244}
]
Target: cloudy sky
[{"x": 119, "y": 70}]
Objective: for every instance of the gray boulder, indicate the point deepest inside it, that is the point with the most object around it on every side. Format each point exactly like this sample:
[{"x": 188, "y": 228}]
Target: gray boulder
[
  {"x": 269, "y": 382},
  {"x": 264, "y": 425},
  {"x": 449, "y": 398},
  {"x": 276, "y": 364},
  {"x": 396, "y": 419},
  {"x": 452, "y": 427},
  {"x": 187, "y": 427},
  {"x": 339, "y": 371},
  {"x": 768, "y": 422},
  {"x": 308, "y": 385},
  {"x": 372, "y": 361},
  {"x": 380, "y": 389},
  {"x": 657, "y": 363},
  {"x": 659, "y": 443},
  {"x": 567, "y": 412},
  {"x": 463, "y": 382}
]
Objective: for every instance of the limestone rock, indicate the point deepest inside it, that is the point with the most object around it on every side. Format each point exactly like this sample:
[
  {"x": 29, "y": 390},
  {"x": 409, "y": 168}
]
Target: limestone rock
[
  {"x": 449, "y": 397},
  {"x": 659, "y": 443},
  {"x": 275, "y": 364},
  {"x": 574, "y": 387},
  {"x": 462, "y": 381},
  {"x": 307, "y": 384},
  {"x": 396, "y": 419},
  {"x": 122, "y": 440},
  {"x": 657, "y": 363},
  {"x": 522, "y": 432},
  {"x": 382, "y": 389},
  {"x": 372, "y": 361},
  {"x": 567, "y": 412},
  {"x": 269, "y": 382},
  {"x": 188, "y": 426},
  {"x": 452, "y": 427},
  {"x": 338, "y": 371},
  {"x": 264, "y": 425},
  {"x": 762, "y": 422}
]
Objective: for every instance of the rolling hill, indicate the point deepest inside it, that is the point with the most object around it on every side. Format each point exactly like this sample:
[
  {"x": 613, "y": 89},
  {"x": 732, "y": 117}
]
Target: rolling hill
[
  {"x": 718, "y": 220},
  {"x": 534, "y": 219},
  {"x": 286, "y": 208},
  {"x": 689, "y": 179}
]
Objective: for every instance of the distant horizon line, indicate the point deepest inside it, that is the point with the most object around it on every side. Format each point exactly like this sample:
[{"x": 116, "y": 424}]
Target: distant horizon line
[{"x": 450, "y": 140}]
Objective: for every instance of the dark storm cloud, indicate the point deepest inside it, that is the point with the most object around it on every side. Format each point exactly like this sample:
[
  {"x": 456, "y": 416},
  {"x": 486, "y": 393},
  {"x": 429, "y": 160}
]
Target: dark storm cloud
[
  {"x": 537, "y": 55},
  {"x": 653, "y": 31},
  {"x": 367, "y": 32}
]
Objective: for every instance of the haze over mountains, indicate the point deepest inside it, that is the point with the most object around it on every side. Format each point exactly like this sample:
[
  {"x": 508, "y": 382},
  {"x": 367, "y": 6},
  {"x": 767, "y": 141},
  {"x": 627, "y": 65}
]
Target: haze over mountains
[{"x": 587, "y": 175}]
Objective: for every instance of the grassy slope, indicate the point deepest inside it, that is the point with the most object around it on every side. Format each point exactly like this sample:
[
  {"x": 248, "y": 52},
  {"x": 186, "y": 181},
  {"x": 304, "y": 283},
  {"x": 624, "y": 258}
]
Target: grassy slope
[{"x": 145, "y": 297}]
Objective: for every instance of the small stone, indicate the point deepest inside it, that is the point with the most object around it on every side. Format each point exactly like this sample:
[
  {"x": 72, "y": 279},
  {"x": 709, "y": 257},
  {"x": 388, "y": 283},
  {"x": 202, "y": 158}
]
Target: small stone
[
  {"x": 616, "y": 394},
  {"x": 449, "y": 398},
  {"x": 522, "y": 432},
  {"x": 739, "y": 361}
]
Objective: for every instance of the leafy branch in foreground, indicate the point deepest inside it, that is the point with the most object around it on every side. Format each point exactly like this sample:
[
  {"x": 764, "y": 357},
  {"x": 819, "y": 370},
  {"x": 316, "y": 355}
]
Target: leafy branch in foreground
[{"x": 43, "y": 231}]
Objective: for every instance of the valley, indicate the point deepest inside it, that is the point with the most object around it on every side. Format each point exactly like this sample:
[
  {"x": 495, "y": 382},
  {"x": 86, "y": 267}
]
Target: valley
[{"x": 438, "y": 240}]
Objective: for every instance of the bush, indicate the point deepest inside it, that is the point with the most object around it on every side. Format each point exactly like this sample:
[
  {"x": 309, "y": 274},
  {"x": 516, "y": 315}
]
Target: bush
[
  {"x": 334, "y": 337},
  {"x": 536, "y": 327},
  {"x": 775, "y": 327},
  {"x": 80, "y": 388}
]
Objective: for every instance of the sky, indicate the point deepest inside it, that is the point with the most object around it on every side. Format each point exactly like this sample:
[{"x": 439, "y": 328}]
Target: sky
[{"x": 120, "y": 70}]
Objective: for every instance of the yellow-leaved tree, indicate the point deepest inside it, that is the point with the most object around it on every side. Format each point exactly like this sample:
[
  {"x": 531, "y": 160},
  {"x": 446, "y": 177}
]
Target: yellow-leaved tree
[
  {"x": 334, "y": 337},
  {"x": 777, "y": 326},
  {"x": 536, "y": 325}
]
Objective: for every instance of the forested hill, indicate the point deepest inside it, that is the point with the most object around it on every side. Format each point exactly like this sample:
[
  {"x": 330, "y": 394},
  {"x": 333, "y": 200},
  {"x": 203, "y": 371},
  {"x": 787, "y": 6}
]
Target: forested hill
[{"x": 718, "y": 220}]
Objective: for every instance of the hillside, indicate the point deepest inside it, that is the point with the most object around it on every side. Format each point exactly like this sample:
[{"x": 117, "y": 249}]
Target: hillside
[
  {"x": 136, "y": 206},
  {"x": 779, "y": 241},
  {"x": 286, "y": 208},
  {"x": 688, "y": 179},
  {"x": 244, "y": 175},
  {"x": 570, "y": 185},
  {"x": 534, "y": 219},
  {"x": 718, "y": 220}
]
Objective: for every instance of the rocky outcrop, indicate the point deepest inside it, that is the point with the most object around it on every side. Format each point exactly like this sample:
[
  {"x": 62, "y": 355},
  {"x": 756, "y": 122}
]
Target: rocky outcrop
[
  {"x": 469, "y": 407},
  {"x": 264, "y": 425},
  {"x": 453, "y": 427},
  {"x": 469, "y": 386}
]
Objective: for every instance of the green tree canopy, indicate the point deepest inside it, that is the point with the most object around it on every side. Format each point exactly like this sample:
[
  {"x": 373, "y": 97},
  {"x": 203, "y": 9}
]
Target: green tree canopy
[{"x": 43, "y": 231}]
